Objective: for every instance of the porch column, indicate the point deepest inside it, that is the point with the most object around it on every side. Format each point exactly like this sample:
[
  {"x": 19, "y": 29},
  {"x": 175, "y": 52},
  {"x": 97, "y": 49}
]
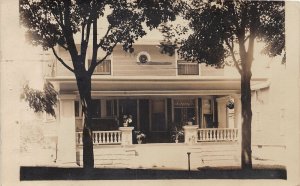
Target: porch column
[
  {"x": 196, "y": 112},
  {"x": 222, "y": 112},
  {"x": 126, "y": 135},
  {"x": 190, "y": 134},
  {"x": 238, "y": 115},
  {"x": 66, "y": 146}
]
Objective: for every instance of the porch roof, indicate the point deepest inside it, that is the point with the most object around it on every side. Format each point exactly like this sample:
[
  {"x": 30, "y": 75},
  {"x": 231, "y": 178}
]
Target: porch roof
[{"x": 143, "y": 86}]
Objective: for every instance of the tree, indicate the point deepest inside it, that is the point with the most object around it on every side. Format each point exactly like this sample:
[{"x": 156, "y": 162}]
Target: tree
[
  {"x": 218, "y": 27},
  {"x": 56, "y": 22},
  {"x": 41, "y": 101}
]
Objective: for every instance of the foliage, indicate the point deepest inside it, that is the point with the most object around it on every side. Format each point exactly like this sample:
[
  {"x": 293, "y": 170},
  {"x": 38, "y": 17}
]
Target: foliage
[
  {"x": 218, "y": 27},
  {"x": 140, "y": 135},
  {"x": 177, "y": 132},
  {"x": 41, "y": 101},
  {"x": 230, "y": 104},
  {"x": 127, "y": 119},
  {"x": 52, "y": 23}
]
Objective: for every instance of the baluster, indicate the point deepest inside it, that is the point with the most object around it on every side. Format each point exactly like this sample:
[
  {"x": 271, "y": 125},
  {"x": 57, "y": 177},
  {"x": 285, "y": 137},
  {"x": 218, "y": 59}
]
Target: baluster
[
  {"x": 231, "y": 134},
  {"x": 109, "y": 137},
  {"x": 200, "y": 135},
  {"x": 117, "y": 137},
  {"x": 227, "y": 135},
  {"x": 208, "y": 136},
  {"x": 218, "y": 134},
  {"x": 98, "y": 138},
  {"x": 221, "y": 135}
]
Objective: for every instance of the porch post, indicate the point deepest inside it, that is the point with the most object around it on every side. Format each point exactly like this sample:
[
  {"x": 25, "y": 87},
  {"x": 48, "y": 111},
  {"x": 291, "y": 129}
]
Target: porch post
[
  {"x": 66, "y": 146},
  {"x": 222, "y": 112},
  {"x": 196, "y": 112},
  {"x": 190, "y": 134},
  {"x": 237, "y": 115},
  {"x": 126, "y": 138}
]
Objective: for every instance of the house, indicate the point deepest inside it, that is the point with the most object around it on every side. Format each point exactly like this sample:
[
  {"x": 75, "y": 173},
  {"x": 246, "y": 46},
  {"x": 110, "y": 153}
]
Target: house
[{"x": 159, "y": 92}]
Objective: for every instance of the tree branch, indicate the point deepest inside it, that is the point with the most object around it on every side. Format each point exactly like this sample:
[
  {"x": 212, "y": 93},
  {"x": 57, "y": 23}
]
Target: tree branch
[
  {"x": 106, "y": 34},
  {"x": 233, "y": 57},
  {"x": 61, "y": 60}
]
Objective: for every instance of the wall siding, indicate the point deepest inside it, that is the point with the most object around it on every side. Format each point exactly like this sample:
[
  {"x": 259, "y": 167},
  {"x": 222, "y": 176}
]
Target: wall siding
[{"x": 125, "y": 64}]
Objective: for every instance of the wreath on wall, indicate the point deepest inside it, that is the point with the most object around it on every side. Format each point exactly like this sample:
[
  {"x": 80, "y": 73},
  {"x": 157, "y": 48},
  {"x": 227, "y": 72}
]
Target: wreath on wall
[{"x": 143, "y": 57}]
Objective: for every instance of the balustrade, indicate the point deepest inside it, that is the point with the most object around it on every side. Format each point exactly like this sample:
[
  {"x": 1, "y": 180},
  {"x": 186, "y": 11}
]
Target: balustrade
[
  {"x": 102, "y": 137},
  {"x": 218, "y": 134}
]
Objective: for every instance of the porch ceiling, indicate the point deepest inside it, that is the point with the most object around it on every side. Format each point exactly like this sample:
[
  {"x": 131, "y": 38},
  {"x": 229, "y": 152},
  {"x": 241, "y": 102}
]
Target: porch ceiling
[{"x": 156, "y": 85}]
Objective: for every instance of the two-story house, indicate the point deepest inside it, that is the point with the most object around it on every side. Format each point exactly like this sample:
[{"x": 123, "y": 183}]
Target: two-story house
[{"x": 159, "y": 92}]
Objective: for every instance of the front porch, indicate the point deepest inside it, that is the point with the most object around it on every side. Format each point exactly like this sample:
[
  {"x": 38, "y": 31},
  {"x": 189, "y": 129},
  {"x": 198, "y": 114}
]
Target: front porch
[{"x": 207, "y": 148}]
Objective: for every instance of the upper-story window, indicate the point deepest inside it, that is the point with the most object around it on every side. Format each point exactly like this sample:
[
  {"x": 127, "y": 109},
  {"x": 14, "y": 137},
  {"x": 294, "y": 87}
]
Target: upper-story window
[
  {"x": 187, "y": 68},
  {"x": 103, "y": 68}
]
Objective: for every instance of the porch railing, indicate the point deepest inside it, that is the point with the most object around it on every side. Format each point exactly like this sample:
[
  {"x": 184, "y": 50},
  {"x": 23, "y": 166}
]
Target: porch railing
[
  {"x": 218, "y": 134},
  {"x": 102, "y": 137}
]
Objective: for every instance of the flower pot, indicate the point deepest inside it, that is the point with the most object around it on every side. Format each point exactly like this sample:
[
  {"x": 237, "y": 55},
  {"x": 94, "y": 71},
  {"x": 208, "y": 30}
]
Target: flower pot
[
  {"x": 176, "y": 141},
  {"x": 125, "y": 124},
  {"x": 139, "y": 141},
  {"x": 190, "y": 123}
]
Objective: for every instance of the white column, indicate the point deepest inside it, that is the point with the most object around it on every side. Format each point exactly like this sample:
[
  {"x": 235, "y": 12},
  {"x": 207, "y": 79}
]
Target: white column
[
  {"x": 222, "y": 113},
  {"x": 126, "y": 135},
  {"x": 190, "y": 134},
  {"x": 238, "y": 115},
  {"x": 196, "y": 112},
  {"x": 66, "y": 146}
]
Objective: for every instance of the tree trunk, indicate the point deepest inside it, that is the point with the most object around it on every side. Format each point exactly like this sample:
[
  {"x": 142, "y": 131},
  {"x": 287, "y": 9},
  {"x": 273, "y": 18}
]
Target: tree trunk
[
  {"x": 84, "y": 87},
  {"x": 246, "y": 119}
]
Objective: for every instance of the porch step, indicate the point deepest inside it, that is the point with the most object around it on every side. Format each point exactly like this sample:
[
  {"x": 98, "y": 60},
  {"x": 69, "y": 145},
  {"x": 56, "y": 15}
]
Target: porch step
[
  {"x": 111, "y": 157},
  {"x": 166, "y": 156},
  {"x": 212, "y": 154}
]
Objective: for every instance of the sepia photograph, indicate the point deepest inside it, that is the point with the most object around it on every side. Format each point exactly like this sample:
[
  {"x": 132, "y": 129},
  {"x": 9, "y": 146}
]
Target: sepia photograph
[{"x": 144, "y": 92}]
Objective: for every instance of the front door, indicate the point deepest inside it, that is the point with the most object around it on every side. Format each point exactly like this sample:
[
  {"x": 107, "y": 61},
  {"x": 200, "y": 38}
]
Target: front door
[{"x": 128, "y": 107}]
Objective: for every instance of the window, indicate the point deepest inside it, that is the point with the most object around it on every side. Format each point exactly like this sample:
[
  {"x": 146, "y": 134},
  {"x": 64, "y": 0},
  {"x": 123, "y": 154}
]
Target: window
[
  {"x": 187, "y": 68},
  {"x": 103, "y": 68},
  {"x": 111, "y": 108},
  {"x": 184, "y": 110},
  {"x": 96, "y": 108}
]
